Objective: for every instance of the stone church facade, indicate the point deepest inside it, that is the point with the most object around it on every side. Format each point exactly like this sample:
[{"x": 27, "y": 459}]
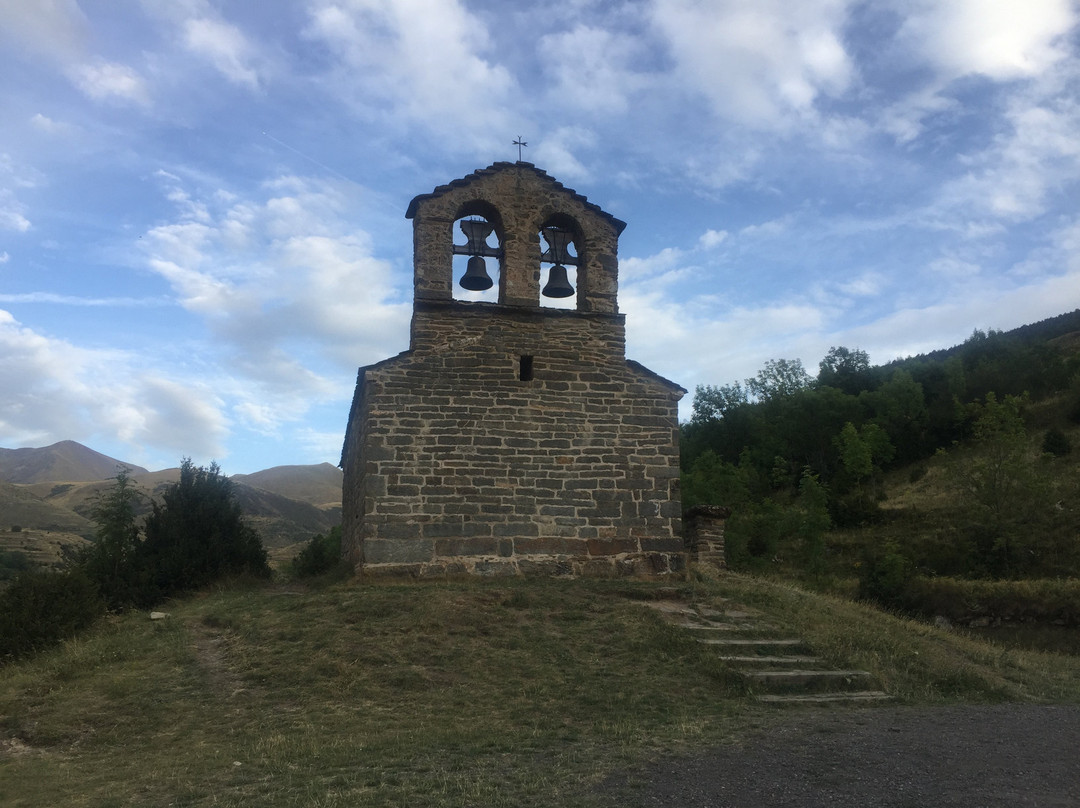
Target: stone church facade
[{"x": 513, "y": 438}]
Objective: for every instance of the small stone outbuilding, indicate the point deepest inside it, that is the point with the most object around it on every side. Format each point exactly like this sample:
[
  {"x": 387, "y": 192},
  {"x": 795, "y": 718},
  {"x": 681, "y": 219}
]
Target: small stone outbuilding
[{"x": 513, "y": 438}]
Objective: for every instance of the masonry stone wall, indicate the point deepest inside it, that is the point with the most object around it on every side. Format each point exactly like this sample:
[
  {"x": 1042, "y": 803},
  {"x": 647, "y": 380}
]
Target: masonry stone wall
[
  {"x": 510, "y": 438},
  {"x": 704, "y": 534}
]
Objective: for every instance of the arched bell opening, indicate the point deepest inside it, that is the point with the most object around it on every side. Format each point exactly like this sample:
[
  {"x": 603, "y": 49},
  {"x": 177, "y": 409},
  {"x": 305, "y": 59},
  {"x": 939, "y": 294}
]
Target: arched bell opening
[
  {"x": 559, "y": 262},
  {"x": 477, "y": 261}
]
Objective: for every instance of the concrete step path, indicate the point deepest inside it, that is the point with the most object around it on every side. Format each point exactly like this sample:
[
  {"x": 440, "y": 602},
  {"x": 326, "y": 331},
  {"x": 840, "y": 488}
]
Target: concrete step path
[{"x": 778, "y": 669}]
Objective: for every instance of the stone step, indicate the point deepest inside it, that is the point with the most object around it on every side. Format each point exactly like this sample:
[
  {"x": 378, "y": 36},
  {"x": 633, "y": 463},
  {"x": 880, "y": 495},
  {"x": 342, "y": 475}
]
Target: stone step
[
  {"x": 768, "y": 646},
  {"x": 809, "y": 680},
  {"x": 716, "y": 626},
  {"x": 771, "y": 659},
  {"x": 728, "y": 614},
  {"x": 824, "y": 698},
  {"x": 783, "y": 670}
]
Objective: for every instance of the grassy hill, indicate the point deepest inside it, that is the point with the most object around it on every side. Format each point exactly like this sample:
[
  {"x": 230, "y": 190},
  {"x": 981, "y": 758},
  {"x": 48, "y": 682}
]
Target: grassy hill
[
  {"x": 20, "y": 506},
  {"x": 319, "y": 485},
  {"x": 485, "y": 693}
]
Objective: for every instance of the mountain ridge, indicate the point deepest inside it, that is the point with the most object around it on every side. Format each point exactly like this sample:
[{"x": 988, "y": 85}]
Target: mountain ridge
[
  {"x": 52, "y": 490},
  {"x": 64, "y": 461}
]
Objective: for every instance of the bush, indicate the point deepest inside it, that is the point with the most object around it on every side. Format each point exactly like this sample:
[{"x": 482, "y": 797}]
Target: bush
[
  {"x": 1027, "y": 601},
  {"x": 111, "y": 561},
  {"x": 41, "y": 608},
  {"x": 753, "y": 534},
  {"x": 197, "y": 535},
  {"x": 320, "y": 555},
  {"x": 1056, "y": 442},
  {"x": 886, "y": 577},
  {"x": 12, "y": 562}
]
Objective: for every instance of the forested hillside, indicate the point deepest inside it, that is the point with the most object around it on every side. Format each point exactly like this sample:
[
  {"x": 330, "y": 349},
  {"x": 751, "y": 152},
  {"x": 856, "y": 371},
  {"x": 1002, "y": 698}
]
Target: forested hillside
[{"x": 982, "y": 431}]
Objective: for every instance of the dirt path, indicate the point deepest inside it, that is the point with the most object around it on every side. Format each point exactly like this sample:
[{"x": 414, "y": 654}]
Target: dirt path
[{"x": 884, "y": 757}]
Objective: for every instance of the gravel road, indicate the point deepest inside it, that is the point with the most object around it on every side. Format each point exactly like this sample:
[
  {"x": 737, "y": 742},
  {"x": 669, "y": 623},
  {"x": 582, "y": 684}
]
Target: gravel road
[{"x": 883, "y": 757}]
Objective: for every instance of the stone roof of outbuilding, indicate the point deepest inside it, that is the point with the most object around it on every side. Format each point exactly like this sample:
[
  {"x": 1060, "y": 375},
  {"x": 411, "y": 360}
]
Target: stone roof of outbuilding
[{"x": 464, "y": 182}]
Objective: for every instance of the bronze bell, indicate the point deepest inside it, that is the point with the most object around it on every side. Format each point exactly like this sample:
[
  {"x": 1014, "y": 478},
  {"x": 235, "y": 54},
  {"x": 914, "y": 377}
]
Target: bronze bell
[
  {"x": 476, "y": 278},
  {"x": 558, "y": 284}
]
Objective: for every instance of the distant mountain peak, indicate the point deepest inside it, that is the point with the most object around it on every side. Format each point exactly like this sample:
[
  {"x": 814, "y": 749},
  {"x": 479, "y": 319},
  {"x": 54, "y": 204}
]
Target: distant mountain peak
[{"x": 64, "y": 461}]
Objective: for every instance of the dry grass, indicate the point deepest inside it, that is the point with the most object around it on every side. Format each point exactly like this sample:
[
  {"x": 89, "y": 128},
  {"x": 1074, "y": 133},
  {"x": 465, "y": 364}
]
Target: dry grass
[{"x": 484, "y": 693}]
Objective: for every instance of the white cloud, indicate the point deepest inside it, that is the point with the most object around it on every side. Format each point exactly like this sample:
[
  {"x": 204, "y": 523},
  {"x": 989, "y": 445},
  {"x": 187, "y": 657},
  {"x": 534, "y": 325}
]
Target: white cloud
[
  {"x": 556, "y": 152},
  {"x": 1000, "y": 39},
  {"x": 55, "y": 29},
  {"x": 190, "y": 210},
  {"x": 903, "y": 119},
  {"x": 11, "y": 217},
  {"x": 714, "y": 338},
  {"x": 224, "y": 46},
  {"x": 421, "y": 60},
  {"x": 288, "y": 288},
  {"x": 592, "y": 69},
  {"x": 952, "y": 267},
  {"x": 4, "y": 257},
  {"x": 632, "y": 269},
  {"x": 49, "y": 126},
  {"x": 322, "y": 444},
  {"x": 1011, "y": 179},
  {"x": 1003, "y": 41},
  {"x": 105, "y": 81},
  {"x": 915, "y": 330},
  {"x": 1060, "y": 254},
  {"x": 868, "y": 284},
  {"x": 758, "y": 64},
  {"x": 707, "y": 341},
  {"x": 11, "y": 213},
  {"x": 52, "y": 389},
  {"x": 75, "y": 300},
  {"x": 185, "y": 417},
  {"x": 712, "y": 238}
]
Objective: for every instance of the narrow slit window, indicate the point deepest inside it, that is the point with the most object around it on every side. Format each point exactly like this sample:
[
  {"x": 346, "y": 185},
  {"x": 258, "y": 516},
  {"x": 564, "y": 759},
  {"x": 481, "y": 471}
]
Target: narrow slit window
[{"x": 525, "y": 369}]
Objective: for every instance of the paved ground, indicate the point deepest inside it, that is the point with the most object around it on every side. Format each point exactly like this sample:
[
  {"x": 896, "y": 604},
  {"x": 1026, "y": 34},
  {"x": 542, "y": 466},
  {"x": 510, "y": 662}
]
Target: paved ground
[{"x": 1018, "y": 756}]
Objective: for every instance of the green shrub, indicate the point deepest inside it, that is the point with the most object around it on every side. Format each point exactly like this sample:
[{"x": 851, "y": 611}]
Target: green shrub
[
  {"x": 322, "y": 554},
  {"x": 111, "y": 562},
  {"x": 12, "y": 562},
  {"x": 1056, "y": 442},
  {"x": 885, "y": 577},
  {"x": 814, "y": 520},
  {"x": 754, "y": 533},
  {"x": 196, "y": 535},
  {"x": 41, "y": 608},
  {"x": 1026, "y": 601}
]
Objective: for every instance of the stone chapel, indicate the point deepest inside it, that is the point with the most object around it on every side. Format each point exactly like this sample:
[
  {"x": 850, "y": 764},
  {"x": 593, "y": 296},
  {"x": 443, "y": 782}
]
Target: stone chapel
[{"x": 512, "y": 437}]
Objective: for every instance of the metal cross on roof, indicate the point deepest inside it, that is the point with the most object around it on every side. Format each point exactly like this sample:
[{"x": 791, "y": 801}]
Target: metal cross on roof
[{"x": 519, "y": 143}]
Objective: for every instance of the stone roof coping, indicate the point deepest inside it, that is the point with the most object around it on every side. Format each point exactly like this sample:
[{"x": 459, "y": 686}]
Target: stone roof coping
[
  {"x": 494, "y": 168},
  {"x": 640, "y": 368}
]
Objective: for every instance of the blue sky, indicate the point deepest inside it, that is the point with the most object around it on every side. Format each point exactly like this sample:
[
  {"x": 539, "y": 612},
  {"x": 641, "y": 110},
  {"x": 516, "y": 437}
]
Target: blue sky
[{"x": 202, "y": 230}]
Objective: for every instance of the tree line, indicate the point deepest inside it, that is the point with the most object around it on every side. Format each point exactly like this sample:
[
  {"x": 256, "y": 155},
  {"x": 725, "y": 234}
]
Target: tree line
[{"x": 794, "y": 454}]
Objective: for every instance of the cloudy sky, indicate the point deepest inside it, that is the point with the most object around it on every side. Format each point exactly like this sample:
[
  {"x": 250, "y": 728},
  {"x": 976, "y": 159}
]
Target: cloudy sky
[{"x": 202, "y": 230}]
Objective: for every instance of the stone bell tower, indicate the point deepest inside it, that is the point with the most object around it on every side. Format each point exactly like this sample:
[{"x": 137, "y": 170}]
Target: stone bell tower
[{"x": 513, "y": 438}]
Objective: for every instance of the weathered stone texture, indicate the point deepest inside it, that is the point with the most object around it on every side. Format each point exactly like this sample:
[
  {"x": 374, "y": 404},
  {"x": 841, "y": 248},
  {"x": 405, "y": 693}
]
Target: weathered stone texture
[
  {"x": 454, "y": 463},
  {"x": 705, "y": 534}
]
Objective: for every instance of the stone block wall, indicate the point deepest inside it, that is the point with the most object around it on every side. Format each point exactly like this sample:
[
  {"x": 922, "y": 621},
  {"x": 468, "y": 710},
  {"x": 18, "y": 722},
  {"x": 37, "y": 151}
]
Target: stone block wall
[
  {"x": 510, "y": 438},
  {"x": 704, "y": 526},
  {"x": 466, "y": 467}
]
